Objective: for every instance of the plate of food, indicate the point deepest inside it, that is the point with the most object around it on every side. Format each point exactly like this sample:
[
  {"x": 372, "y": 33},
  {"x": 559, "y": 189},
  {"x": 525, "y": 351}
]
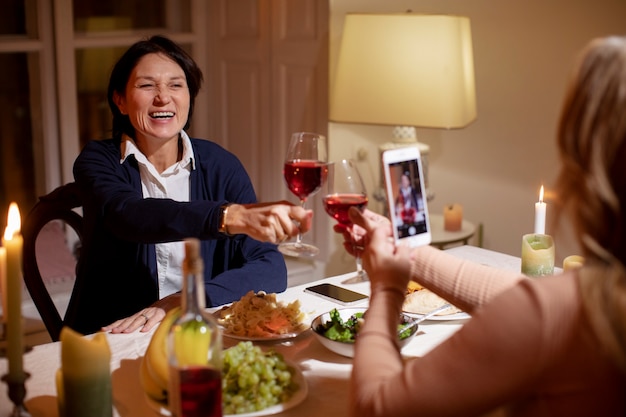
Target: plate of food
[
  {"x": 293, "y": 389},
  {"x": 419, "y": 301},
  {"x": 261, "y": 317}
]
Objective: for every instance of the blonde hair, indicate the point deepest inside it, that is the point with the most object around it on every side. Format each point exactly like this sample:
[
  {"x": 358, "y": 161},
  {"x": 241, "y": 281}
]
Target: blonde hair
[{"x": 592, "y": 184}]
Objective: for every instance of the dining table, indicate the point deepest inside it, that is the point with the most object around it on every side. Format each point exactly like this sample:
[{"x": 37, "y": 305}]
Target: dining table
[{"x": 326, "y": 374}]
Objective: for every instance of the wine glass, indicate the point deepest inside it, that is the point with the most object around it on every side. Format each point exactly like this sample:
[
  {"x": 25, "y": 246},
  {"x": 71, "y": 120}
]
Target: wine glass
[
  {"x": 345, "y": 189},
  {"x": 305, "y": 172}
]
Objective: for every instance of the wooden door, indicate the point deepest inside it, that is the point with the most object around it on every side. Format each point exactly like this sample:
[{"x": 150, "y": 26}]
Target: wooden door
[{"x": 268, "y": 75}]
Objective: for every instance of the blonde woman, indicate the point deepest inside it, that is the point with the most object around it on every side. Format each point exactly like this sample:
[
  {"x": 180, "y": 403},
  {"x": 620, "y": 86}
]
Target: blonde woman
[{"x": 554, "y": 346}]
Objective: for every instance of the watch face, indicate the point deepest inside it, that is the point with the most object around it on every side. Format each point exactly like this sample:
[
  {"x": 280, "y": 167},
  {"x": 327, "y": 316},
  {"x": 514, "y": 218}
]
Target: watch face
[{"x": 223, "y": 212}]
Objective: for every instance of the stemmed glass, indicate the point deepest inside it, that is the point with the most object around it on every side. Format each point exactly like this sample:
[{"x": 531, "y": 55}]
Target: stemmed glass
[
  {"x": 305, "y": 172},
  {"x": 345, "y": 189}
]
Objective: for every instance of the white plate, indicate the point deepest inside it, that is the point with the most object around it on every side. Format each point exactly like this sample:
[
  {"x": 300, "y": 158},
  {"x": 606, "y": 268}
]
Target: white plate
[
  {"x": 272, "y": 338},
  {"x": 445, "y": 317},
  {"x": 297, "y": 397},
  {"x": 424, "y": 300}
]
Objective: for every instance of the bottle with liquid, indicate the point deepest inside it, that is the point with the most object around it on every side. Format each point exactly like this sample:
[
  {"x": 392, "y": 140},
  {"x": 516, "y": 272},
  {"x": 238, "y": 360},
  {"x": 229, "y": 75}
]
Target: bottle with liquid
[{"x": 195, "y": 347}]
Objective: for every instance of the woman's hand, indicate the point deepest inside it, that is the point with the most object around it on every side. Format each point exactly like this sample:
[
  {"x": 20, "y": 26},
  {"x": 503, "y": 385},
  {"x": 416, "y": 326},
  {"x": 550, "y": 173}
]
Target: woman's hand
[
  {"x": 354, "y": 236},
  {"x": 145, "y": 319},
  {"x": 386, "y": 264},
  {"x": 268, "y": 222}
]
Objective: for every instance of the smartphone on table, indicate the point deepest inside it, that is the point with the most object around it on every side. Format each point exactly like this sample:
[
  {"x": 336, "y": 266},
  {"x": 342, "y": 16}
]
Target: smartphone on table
[
  {"x": 336, "y": 293},
  {"x": 406, "y": 196}
]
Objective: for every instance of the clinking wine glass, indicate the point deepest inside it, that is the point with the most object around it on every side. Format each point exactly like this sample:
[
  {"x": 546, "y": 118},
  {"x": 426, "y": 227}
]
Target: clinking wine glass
[
  {"x": 345, "y": 189},
  {"x": 305, "y": 173}
]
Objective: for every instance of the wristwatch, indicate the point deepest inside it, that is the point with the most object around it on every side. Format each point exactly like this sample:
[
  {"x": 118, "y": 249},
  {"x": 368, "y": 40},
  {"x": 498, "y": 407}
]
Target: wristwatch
[{"x": 223, "y": 229}]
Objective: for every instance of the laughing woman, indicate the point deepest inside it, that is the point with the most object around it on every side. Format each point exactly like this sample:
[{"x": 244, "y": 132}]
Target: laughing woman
[{"x": 151, "y": 186}]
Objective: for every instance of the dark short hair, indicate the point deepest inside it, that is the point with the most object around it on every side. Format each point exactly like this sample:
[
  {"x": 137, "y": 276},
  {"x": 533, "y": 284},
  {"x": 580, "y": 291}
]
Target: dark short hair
[{"x": 126, "y": 64}]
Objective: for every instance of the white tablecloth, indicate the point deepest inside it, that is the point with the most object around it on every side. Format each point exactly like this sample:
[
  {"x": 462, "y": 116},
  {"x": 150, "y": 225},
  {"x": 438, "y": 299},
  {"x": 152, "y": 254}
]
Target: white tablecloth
[{"x": 327, "y": 374}]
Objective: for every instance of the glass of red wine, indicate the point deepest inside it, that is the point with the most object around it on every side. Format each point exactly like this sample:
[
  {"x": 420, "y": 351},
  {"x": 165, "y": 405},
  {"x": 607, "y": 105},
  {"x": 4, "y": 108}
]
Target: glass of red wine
[
  {"x": 345, "y": 189},
  {"x": 305, "y": 172}
]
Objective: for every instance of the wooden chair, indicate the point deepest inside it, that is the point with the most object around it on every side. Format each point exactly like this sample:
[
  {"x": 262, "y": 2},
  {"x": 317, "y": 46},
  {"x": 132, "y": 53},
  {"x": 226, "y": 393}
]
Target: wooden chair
[{"x": 58, "y": 205}]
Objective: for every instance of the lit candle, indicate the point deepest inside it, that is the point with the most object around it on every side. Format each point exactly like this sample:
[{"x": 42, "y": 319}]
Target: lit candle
[
  {"x": 452, "y": 217},
  {"x": 540, "y": 214},
  {"x": 12, "y": 243},
  {"x": 537, "y": 255},
  {"x": 3, "y": 285},
  {"x": 573, "y": 262},
  {"x": 84, "y": 380}
]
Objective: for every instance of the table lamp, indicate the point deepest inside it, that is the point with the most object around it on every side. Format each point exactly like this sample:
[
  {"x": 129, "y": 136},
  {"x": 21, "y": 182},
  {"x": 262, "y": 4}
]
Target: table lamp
[{"x": 405, "y": 70}]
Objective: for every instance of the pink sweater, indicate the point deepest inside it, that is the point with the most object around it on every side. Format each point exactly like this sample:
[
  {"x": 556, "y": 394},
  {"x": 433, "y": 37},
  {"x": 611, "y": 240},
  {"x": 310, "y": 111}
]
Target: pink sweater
[{"x": 527, "y": 351}]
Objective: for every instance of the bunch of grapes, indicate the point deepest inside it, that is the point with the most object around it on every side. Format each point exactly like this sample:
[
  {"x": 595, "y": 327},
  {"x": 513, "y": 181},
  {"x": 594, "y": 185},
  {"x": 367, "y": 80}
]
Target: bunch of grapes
[{"x": 253, "y": 380}]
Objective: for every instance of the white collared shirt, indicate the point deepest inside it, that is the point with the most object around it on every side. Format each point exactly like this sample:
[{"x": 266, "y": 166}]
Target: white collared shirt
[{"x": 172, "y": 183}]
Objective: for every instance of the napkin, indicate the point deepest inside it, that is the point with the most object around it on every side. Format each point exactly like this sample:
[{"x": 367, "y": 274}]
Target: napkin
[{"x": 84, "y": 379}]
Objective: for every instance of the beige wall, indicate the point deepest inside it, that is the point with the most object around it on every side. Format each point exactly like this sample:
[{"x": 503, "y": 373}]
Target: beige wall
[{"x": 523, "y": 52}]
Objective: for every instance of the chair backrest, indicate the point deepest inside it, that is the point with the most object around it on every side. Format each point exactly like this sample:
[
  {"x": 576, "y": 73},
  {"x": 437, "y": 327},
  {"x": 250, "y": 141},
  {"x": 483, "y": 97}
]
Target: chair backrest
[{"x": 58, "y": 205}]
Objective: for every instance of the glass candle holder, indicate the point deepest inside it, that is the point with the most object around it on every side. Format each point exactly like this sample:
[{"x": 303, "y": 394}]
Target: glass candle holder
[
  {"x": 573, "y": 262},
  {"x": 537, "y": 255}
]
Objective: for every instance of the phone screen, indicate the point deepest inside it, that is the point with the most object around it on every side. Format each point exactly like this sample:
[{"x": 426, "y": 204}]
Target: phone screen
[
  {"x": 336, "y": 293},
  {"x": 406, "y": 196},
  {"x": 409, "y": 209}
]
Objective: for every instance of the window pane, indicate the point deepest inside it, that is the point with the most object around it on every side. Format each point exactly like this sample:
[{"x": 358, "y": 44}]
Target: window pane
[
  {"x": 106, "y": 16},
  {"x": 93, "y": 67},
  {"x": 14, "y": 15},
  {"x": 17, "y": 178}
]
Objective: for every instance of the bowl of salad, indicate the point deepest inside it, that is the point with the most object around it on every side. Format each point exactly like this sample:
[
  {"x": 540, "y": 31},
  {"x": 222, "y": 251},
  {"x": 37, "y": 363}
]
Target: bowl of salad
[{"x": 338, "y": 329}]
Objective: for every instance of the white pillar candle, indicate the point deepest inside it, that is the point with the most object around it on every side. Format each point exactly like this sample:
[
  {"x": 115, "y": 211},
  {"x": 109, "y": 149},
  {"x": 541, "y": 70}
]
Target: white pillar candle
[
  {"x": 540, "y": 215},
  {"x": 13, "y": 243}
]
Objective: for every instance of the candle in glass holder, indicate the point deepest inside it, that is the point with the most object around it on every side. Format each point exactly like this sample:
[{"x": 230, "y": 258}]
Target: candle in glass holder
[
  {"x": 452, "y": 217},
  {"x": 537, "y": 255},
  {"x": 573, "y": 262},
  {"x": 13, "y": 242}
]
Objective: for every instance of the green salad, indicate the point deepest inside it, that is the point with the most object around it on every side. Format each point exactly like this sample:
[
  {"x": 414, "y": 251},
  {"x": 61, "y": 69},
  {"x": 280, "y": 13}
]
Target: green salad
[{"x": 346, "y": 330}]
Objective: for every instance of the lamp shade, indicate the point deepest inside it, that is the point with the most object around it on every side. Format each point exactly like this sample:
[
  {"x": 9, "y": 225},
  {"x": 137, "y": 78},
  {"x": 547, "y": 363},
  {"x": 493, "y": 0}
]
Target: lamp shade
[{"x": 405, "y": 69}]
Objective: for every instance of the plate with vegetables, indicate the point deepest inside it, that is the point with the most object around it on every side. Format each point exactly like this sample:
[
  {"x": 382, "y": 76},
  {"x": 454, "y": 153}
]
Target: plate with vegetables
[
  {"x": 255, "y": 383},
  {"x": 338, "y": 329}
]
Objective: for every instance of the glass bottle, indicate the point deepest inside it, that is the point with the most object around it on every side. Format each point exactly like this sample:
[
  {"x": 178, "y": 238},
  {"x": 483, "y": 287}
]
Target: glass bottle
[{"x": 195, "y": 347}]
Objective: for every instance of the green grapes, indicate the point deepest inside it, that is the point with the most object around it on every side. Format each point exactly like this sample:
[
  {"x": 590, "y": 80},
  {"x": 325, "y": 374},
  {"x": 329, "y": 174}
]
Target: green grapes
[{"x": 253, "y": 380}]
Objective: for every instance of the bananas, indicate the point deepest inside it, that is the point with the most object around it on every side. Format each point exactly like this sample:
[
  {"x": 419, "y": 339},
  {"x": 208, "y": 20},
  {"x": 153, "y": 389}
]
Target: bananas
[
  {"x": 192, "y": 341},
  {"x": 149, "y": 385},
  {"x": 154, "y": 373}
]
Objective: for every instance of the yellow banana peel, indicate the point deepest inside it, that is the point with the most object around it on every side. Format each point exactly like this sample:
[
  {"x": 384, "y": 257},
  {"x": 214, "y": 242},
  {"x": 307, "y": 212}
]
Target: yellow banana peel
[
  {"x": 156, "y": 354},
  {"x": 192, "y": 343},
  {"x": 149, "y": 385}
]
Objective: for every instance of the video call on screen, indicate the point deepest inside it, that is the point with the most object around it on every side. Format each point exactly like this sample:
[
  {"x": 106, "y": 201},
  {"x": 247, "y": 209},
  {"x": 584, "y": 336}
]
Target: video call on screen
[{"x": 409, "y": 216}]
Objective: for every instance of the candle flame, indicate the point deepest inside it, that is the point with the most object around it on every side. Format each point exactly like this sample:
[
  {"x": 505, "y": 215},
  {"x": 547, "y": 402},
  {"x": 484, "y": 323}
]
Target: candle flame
[
  {"x": 14, "y": 223},
  {"x": 541, "y": 194}
]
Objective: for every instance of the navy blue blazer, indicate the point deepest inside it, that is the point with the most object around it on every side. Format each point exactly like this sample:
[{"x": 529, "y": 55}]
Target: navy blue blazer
[{"x": 116, "y": 274}]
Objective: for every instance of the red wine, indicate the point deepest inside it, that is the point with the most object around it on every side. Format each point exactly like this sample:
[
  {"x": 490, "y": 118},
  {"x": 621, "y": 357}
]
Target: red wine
[
  {"x": 200, "y": 391},
  {"x": 304, "y": 177},
  {"x": 337, "y": 205}
]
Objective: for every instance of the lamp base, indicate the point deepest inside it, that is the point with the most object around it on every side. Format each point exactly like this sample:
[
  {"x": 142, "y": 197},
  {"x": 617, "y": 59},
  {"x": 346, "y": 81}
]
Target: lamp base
[
  {"x": 403, "y": 136},
  {"x": 403, "y": 142}
]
